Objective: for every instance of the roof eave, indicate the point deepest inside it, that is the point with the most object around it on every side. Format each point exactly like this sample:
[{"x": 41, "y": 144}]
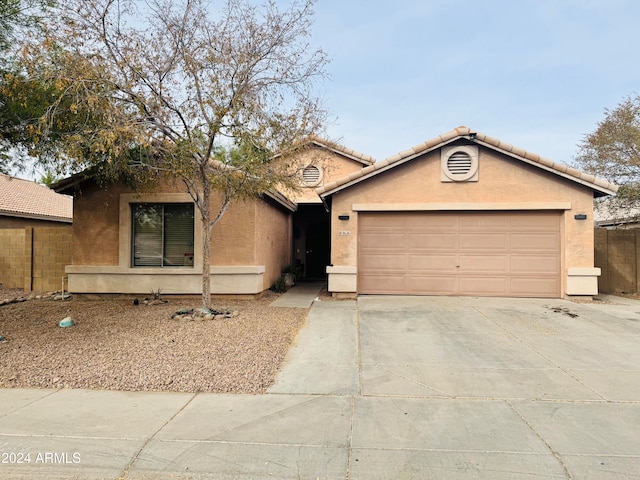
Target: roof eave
[
  {"x": 599, "y": 190},
  {"x": 358, "y": 157},
  {"x": 379, "y": 167},
  {"x": 35, "y": 216},
  {"x": 281, "y": 200}
]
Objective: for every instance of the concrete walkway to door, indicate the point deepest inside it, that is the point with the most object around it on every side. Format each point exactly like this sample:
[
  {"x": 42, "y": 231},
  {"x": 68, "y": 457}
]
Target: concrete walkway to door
[{"x": 300, "y": 295}]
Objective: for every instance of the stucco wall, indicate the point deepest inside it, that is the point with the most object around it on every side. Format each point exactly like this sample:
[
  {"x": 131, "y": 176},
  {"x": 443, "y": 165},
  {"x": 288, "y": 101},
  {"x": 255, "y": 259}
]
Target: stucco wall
[
  {"x": 102, "y": 245},
  {"x": 95, "y": 225},
  {"x": 272, "y": 240},
  {"x": 502, "y": 180},
  {"x": 233, "y": 238},
  {"x": 332, "y": 165}
]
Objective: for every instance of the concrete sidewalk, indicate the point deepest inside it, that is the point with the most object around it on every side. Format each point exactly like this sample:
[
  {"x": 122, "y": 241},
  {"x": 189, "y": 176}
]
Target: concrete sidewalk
[{"x": 379, "y": 388}]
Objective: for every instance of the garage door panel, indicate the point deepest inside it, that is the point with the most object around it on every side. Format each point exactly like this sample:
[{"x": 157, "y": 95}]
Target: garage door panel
[
  {"x": 432, "y": 241},
  {"x": 496, "y": 242},
  {"x": 481, "y": 222},
  {"x": 531, "y": 287},
  {"x": 535, "y": 222},
  {"x": 382, "y": 221},
  {"x": 531, "y": 265},
  {"x": 388, "y": 262},
  {"x": 379, "y": 241},
  {"x": 442, "y": 223},
  {"x": 433, "y": 263},
  {"x": 460, "y": 253},
  {"x": 383, "y": 284},
  {"x": 484, "y": 285},
  {"x": 436, "y": 284},
  {"x": 535, "y": 242},
  {"x": 495, "y": 264}
]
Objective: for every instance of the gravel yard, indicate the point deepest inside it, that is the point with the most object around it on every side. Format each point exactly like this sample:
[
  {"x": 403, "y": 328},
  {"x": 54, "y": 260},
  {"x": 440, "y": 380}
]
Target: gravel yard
[{"x": 116, "y": 345}]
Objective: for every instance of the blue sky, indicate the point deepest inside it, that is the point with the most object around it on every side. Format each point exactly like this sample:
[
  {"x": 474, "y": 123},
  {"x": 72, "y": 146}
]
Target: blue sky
[{"x": 535, "y": 73}]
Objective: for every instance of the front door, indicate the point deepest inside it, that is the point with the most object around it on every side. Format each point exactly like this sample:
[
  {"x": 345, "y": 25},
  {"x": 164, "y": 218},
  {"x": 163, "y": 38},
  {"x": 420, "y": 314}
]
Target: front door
[{"x": 317, "y": 251}]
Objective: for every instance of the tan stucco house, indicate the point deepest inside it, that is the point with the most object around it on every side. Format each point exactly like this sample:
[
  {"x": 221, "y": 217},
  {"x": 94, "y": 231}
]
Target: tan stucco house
[
  {"x": 134, "y": 242},
  {"x": 463, "y": 214}
]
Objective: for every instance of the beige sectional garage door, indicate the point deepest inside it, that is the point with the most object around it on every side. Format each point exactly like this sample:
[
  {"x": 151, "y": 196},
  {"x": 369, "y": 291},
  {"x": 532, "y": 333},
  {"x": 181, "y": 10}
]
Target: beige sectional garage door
[{"x": 514, "y": 254}]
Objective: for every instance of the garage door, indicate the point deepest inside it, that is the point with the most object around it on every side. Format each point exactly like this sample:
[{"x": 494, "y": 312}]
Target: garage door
[{"x": 514, "y": 254}]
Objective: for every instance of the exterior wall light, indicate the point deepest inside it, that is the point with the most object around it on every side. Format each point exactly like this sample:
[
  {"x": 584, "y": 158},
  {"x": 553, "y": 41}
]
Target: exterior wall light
[{"x": 580, "y": 216}]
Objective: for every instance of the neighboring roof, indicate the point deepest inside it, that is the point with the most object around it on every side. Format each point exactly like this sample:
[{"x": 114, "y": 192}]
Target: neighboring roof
[
  {"x": 607, "y": 214},
  {"x": 599, "y": 186},
  {"x": 27, "y": 199},
  {"x": 343, "y": 151}
]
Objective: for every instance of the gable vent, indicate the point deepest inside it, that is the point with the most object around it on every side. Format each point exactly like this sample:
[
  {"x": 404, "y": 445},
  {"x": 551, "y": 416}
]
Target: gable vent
[
  {"x": 459, "y": 163},
  {"x": 311, "y": 175}
]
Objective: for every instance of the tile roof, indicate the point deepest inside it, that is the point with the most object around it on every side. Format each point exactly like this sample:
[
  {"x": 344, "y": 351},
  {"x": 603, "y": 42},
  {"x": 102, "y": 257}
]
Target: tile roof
[
  {"x": 25, "y": 198},
  {"x": 603, "y": 187},
  {"x": 341, "y": 150}
]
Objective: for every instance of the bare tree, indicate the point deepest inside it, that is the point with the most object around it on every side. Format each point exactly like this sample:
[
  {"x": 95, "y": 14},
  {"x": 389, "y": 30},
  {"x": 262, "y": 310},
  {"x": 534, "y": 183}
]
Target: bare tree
[
  {"x": 197, "y": 90},
  {"x": 612, "y": 151}
]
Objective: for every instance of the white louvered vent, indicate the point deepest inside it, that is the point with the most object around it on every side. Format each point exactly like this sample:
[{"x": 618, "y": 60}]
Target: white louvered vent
[
  {"x": 311, "y": 175},
  {"x": 459, "y": 163}
]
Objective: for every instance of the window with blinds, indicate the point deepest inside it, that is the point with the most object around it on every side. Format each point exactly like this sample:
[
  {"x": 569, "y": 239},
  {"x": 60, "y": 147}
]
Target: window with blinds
[{"x": 162, "y": 234}]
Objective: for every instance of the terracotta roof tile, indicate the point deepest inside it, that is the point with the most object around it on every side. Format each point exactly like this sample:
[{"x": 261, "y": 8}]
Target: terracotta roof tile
[
  {"x": 347, "y": 152},
  {"x": 496, "y": 143},
  {"x": 20, "y": 197}
]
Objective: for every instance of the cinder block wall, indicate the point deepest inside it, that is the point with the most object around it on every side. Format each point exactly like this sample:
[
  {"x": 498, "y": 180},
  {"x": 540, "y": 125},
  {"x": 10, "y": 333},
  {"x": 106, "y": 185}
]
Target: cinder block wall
[
  {"x": 34, "y": 258},
  {"x": 12, "y": 261},
  {"x": 617, "y": 254},
  {"x": 51, "y": 253}
]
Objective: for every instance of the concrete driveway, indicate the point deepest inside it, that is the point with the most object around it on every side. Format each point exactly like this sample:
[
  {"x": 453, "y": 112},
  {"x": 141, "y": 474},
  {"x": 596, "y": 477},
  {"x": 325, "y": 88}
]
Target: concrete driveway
[
  {"x": 452, "y": 387},
  {"x": 378, "y": 388}
]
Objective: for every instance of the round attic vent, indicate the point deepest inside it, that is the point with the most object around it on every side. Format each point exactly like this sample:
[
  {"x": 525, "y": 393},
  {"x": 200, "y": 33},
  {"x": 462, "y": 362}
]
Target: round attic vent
[
  {"x": 311, "y": 175},
  {"x": 459, "y": 163}
]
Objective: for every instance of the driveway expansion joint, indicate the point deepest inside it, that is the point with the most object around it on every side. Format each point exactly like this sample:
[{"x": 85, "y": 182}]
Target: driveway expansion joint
[{"x": 553, "y": 451}]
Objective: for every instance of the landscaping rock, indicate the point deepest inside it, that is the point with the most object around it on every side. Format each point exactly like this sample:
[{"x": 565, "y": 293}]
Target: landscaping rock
[
  {"x": 66, "y": 322},
  {"x": 203, "y": 314}
]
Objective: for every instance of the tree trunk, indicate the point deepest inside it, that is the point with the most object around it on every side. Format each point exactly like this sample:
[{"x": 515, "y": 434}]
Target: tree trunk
[{"x": 205, "y": 211}]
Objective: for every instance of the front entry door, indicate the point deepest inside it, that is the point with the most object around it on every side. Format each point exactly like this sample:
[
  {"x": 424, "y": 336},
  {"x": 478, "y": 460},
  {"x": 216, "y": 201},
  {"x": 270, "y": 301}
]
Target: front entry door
[{"x": 317, "y": 253}]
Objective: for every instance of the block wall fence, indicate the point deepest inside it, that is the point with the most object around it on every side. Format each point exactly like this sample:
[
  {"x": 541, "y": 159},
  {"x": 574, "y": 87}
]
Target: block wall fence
[
  {"x": 617, "y": 253},
  {"x": 34, "y": 258}
]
